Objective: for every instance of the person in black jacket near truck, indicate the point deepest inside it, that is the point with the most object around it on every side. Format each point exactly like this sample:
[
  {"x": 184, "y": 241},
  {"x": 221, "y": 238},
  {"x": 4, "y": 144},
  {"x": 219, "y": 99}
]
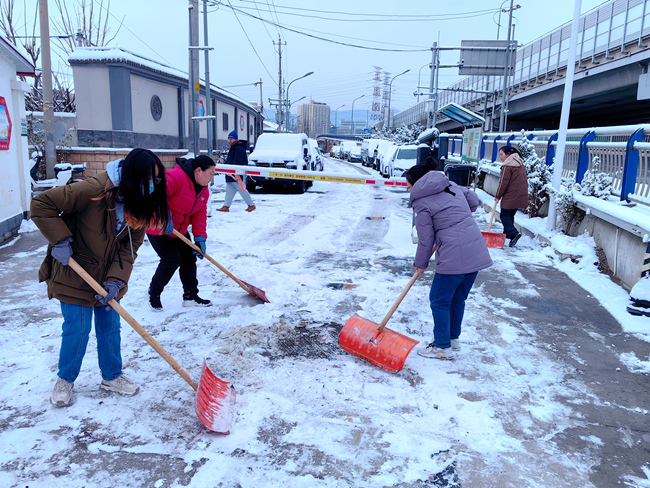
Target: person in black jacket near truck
[{"x": 237, "y": 156}]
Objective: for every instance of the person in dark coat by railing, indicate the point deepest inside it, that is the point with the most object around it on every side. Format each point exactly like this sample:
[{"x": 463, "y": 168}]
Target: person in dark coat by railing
[
  {"x": 443, "y": 216},
  {"x": 237, "y": 156},
  {"x": 512, "y": 190}
]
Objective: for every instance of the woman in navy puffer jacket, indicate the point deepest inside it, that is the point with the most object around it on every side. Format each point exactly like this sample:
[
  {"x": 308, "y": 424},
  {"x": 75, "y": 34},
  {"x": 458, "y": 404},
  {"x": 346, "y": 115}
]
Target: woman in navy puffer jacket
[{"x": 443, "y": 216}]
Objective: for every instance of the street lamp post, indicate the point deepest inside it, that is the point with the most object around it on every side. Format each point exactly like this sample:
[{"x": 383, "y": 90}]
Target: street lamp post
[
  {"x": 389, "y": 94},
  {"x": 287, "y": 93},
  {"x": 354, "y": 131},
  {"x": 289, "y": 128},
  {"x": 336, "y": 117},
  {"x": 419, "y": 73}
]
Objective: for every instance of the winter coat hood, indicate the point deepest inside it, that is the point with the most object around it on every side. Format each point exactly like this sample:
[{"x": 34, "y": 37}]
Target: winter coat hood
[
  {"x": 443, "y": 216},
  {"x": 513, "y": 160},
  {"x": 114, "y": 170}
]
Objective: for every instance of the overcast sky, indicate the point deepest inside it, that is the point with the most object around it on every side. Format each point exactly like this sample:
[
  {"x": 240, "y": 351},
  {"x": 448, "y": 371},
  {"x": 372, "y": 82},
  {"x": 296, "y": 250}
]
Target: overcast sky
[{"x": 244, "y": 50}]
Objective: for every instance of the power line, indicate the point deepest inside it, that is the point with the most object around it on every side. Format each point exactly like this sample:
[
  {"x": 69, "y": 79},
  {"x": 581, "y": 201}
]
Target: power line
[
  {"x": 393, "y": 18},
  {"x": 325, "y": 39},
  {"x": 249, "y": 41}
]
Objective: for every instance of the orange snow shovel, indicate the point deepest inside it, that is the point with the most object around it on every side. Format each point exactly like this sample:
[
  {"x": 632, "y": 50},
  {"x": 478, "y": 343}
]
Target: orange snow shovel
[
  {"x": 253, "y": 290},
  {"x": 375, "y": 343},
  {"x": 494, "y": 239},
  {"x": 215, "y": 399}
]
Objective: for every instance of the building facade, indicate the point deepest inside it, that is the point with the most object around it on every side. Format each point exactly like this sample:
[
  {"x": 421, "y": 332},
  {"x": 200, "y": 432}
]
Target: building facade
[
  {"x": 314, "y": 118},
  {"x": 15, "y": 184}
]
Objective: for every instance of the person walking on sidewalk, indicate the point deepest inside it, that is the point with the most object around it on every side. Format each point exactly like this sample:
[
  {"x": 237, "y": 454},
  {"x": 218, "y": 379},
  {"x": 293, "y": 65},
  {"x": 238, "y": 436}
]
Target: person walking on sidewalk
[
  {"x": 100, "y": 222},
  {"x": 187, "y": 196},
  {"x": 443, "y": 216},
  {"x": 512, "y": 190},
  {"x": 236, "y": 155}
]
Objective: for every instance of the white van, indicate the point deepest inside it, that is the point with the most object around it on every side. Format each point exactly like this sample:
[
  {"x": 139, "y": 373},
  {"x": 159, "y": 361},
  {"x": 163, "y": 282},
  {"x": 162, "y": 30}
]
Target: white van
[
  {"x": 316, "y": 156},
  {"x": 289, "y": 151},
  {"x": 372, "y": 151}
]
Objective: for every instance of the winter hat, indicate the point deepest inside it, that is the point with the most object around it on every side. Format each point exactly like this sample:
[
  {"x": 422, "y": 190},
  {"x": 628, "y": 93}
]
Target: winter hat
[
  {"x": 233, "y": 135},
  {"x": 203, "y": 162}
]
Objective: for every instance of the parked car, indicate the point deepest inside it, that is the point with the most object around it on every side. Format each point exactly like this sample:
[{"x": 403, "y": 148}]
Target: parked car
[
  {"x": 355, "y": 152},
  {"x": 346, "y": 147},
  {"x": 401, "y": 160},
  {"x": 368, "y": 156},
  {"x": 335, "y": 152},
  {"x": 288, "y": 151},
  {"x": 385, "y": 157},
  {"x": 316, "y": 156},
  {"x": 378, "y": 153},
  {"x": 364, "y": 151}
]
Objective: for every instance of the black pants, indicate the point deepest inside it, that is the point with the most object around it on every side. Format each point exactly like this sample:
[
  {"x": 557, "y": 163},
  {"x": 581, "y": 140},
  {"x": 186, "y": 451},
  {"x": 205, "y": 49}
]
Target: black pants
[
  {"x": 173, "y": 254},
  {"x": 508, "y": 221}
]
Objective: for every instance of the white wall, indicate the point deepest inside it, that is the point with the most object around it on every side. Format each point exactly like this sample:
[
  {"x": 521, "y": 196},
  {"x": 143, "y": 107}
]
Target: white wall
[
  {"x": 93, "y": 98},
  {"x": 222, "y": 133},
  {"x": 142, "y": 90},
  {"x": 15, "y": 190}
]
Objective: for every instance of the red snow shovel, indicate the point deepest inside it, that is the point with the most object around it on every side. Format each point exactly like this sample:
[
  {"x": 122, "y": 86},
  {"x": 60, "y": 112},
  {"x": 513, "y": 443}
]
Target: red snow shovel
[
  {"x": 253, "y": 290},
  {"x": 375, "y": 343},
  {"x": 215, "y": 399},
  {"x": 494, "y": 239}
]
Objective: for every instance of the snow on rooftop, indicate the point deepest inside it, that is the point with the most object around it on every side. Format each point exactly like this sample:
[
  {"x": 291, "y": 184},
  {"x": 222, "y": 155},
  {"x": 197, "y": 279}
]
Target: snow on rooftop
[{"x": 86, "y": 55}]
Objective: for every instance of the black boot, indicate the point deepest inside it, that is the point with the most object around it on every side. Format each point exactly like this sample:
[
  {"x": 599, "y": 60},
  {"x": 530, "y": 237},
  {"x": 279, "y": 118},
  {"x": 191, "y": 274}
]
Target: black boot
[
  {"x": 194, "y": 300},
  {"x": 155, "y": 303}
]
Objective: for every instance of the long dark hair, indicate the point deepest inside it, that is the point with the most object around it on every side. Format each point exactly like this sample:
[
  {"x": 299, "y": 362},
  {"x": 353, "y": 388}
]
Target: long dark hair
[
  {"x": 416, "y": 172},
  {"x": 142, "y": 208},
  {"x": 508, "y": 150}
]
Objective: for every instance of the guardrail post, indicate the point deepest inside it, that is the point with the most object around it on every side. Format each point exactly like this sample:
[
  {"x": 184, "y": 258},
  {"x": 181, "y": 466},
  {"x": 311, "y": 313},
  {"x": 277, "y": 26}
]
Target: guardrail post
[
  {"x": 495, "y": 148},
  {"x": 631, "y": 164},
  {"x": 482, "y": 148},
  {"x": 453, "y": 145},
  {"x": 510, "y": 139},
  {"x": 583, "y": 155},
  {"x": 550, "y": 150}
]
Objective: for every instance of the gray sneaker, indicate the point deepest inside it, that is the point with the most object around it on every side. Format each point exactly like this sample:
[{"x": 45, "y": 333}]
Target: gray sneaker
[
  {"x": 455, "y": 344},
  {"x": 121, "y": 385},
  {"x": 431, "y": 351},
  {"x": 62, "y": 394}
]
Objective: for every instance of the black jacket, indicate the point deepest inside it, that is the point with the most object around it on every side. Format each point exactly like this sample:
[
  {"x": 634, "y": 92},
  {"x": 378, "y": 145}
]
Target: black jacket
[{"x": 236, "y": 155}]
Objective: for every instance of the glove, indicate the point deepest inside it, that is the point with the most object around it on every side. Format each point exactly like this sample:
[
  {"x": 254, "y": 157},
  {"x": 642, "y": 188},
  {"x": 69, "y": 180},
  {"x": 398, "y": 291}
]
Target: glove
[
  {"x": 170, "y": 226},
  {"x": 200, "y": 241},
  {"x": 113, "y": 288},
  {"x": 61, "y": 251}
]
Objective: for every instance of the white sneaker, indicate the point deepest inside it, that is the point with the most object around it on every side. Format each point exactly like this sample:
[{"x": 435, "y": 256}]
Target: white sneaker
[
  {"x": 431, "y": 351},
  {"x": 62, "y": 394},
  {"x": 455, "y": 344},
  {"x": 121, "y": 385}
]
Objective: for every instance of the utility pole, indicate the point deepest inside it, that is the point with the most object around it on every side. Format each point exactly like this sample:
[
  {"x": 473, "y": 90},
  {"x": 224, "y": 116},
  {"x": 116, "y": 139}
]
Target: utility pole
[
  {"x": 280, "y": 97},
  {"x": 48, "y": 95},
  {"x": 194, "y": 84},
  {"x": 208, "y": 98},
  {"x": 261, "y": 99},
  {"x": 506, "y": 71}
]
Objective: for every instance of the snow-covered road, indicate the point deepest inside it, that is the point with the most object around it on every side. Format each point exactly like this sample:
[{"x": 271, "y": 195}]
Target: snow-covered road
[{"x": 524, "y": 404}]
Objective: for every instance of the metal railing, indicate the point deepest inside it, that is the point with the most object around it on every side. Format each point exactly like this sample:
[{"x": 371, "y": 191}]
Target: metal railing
[{"x": 623, "y": 153}]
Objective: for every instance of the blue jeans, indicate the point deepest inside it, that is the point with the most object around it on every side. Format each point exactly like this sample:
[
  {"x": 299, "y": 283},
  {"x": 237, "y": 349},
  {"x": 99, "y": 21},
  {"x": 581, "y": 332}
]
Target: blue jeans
[
  {"x": 77, "y": 321},
  {"x": 447, "y": 297}
]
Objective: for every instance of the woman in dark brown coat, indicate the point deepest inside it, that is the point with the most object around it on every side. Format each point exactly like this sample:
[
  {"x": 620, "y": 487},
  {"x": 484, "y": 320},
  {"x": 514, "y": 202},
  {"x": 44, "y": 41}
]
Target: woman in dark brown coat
[
  {"x": 512, "y": 190},
  {"x": 101, "y": 223}
]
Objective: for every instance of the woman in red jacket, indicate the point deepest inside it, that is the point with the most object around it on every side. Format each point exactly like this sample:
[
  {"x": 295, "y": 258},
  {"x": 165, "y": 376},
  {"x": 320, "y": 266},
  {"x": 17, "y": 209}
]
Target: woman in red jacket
[{"x": 187, "y": 197}]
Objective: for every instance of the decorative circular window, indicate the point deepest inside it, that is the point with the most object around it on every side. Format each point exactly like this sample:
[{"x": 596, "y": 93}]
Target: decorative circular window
[{"x": 156, "y": 107}]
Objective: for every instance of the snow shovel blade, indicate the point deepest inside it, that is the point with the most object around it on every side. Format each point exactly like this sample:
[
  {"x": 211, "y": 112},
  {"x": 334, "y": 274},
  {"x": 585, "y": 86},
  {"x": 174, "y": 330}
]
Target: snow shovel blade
[
  {"x": 215, "y": 402},
  {"x": 387, "y": 349},
  {"x": 494, "y": 239},
  {"x": 256, "y": 292}
]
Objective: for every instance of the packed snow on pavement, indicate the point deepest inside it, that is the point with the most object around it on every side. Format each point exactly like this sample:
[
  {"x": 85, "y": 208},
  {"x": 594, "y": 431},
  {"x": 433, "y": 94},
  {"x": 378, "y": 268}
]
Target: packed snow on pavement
[{"x": 308, "y": 413}]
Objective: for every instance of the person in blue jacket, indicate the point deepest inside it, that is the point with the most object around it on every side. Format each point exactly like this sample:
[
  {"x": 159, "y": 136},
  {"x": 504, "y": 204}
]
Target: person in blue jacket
[{"x": 236, "y": 155}]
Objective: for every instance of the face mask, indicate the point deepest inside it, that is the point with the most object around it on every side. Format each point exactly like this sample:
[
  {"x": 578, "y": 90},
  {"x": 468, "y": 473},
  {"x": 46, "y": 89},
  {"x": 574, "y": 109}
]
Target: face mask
[{"x": 151, "y": 188}]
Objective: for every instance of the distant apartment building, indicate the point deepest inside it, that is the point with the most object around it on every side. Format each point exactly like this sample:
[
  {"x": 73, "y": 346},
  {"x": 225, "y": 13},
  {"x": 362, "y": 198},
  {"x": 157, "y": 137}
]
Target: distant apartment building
[{"x": 314, "y": 118}]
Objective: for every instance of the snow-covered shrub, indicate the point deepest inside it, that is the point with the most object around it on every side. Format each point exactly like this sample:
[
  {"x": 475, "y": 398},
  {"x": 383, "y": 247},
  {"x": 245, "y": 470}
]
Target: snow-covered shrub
[
  {"x": 594, "y": 183},
  {"x": 401, "y": 135},
  {"x": 539, "y": 178},
  {"x": 565, "y": 204}
]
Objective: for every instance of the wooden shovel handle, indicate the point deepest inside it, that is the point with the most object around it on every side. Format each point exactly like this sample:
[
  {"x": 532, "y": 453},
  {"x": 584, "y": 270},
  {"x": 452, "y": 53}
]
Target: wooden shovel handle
[
  {"x": 398, "y": 301},
  {"x": 494, "y": 209},
  {"x": 198, "y": 249},
  {"x": 402, "y": 295},
  {"x": 132, "y": 322}
]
